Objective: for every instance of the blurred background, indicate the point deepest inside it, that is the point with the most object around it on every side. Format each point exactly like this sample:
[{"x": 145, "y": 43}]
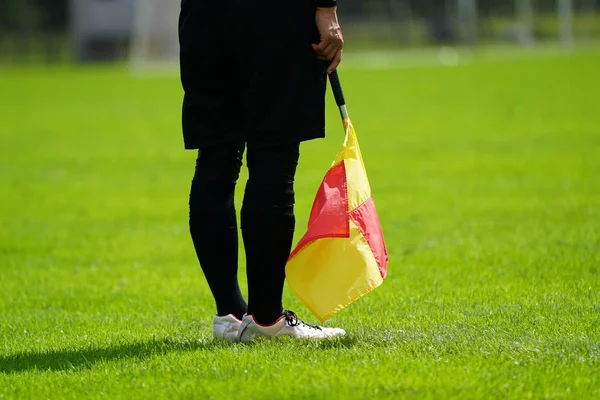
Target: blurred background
[
  {"x": 145, "y": 30},
  {"x": 479, "y": 126}
]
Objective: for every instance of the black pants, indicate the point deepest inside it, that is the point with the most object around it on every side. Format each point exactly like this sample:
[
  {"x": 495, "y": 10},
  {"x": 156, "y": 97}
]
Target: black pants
[{"x": 267, "y": 221}]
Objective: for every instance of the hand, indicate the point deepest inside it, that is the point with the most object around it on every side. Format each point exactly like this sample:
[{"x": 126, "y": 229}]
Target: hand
[{"x": 332, "y": 41}]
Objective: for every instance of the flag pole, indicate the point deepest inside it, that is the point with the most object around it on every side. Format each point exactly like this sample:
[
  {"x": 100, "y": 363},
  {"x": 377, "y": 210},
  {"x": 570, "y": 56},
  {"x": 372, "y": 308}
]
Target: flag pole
[{"x": 338, "y": 93}]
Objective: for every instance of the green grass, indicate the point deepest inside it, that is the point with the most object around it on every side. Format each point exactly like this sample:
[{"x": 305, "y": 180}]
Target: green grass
[{"x": 487, "y": 181}]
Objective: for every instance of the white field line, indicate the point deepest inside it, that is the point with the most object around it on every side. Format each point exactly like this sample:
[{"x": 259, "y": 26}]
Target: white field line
[
  {"x": 407, "y": 59},
  {"x": 444, "y": 57}
]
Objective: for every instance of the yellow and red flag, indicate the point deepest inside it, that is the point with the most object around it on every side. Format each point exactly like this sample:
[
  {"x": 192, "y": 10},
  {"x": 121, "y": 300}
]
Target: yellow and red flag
[{"x": 343, "y": 255}]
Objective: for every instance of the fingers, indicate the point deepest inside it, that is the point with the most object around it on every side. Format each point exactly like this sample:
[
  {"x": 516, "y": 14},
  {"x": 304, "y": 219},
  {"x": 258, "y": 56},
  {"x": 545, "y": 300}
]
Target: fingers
[
  {"x": 324, "y": 50},
  {"x": 320, "y": 50},
  {"x": 327, "y": 49},
  {"x": 337, "y": 59},
  {"x": 328, "y": 52}
]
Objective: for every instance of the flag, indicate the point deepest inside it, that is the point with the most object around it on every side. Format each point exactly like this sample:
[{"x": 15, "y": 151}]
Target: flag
[{"x": 343, "y": 255}]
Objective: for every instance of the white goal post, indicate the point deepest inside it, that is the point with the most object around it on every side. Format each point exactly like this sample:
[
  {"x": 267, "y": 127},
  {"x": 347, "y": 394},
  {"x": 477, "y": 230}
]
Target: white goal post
[
  {"x": 155, "y": 41},
  {"x": 467, "y": 13}
]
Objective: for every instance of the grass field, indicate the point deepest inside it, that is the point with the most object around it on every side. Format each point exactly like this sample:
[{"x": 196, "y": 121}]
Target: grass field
[{"x": 487, "y": 181}]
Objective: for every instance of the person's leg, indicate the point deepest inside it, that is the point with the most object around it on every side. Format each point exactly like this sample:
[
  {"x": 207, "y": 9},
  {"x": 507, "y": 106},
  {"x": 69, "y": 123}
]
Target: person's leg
[
  {"x": 213, "y": 224},
  {"x": 268, "y": 226}
]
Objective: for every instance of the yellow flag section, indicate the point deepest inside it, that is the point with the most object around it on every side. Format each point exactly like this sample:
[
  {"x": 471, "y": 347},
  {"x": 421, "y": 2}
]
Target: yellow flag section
[{"x": 343, "y": 255}]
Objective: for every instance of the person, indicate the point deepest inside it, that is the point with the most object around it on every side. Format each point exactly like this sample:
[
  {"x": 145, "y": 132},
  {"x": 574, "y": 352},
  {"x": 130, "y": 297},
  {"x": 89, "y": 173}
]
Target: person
[{"x": 254, "y": 75}]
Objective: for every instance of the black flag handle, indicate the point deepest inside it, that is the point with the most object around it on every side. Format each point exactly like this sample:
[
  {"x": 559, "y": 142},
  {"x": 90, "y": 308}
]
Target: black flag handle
[{"x": 338, "y": 93}]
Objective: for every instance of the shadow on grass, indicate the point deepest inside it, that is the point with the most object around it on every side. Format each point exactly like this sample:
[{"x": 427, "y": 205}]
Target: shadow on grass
[{"x": 76, "y": 359}]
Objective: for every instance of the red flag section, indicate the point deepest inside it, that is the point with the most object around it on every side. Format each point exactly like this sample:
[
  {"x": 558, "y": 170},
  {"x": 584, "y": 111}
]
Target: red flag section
[
  {"x": 366, "y": 218},
  {"x": 329, "y": 214}
]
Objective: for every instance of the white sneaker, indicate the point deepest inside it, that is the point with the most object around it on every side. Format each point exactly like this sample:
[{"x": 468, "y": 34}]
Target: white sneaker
[
  {"x": 288, "y": 324},
  {"x": 226, "y": 327}
]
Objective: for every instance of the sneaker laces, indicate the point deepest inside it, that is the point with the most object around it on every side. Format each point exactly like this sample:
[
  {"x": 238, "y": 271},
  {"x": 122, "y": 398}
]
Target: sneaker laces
[{"x": 292, "y": 320}]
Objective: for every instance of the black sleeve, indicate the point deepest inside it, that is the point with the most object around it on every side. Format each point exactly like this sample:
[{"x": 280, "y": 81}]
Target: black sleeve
[{"x": 326, "y": 3}]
